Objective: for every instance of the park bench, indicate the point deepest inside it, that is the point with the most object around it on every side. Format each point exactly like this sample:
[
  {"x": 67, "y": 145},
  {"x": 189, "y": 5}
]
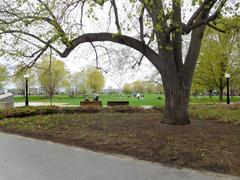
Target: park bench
[
  {"x": 117, "y": 103},
  {"x": 90, "y": 103}
]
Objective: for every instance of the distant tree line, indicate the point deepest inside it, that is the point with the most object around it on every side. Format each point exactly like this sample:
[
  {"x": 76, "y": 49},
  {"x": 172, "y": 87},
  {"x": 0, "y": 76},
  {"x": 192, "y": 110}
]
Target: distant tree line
[
  {"x": 142, "y": 87},
  {"x": 51, "y": 75}
]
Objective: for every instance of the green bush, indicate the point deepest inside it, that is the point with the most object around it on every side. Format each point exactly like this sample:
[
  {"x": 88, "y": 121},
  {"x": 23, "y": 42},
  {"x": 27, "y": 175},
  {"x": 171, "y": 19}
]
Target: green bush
[
  {"x": 46, "y": 110},
  {"x": 27, "y": 111}
]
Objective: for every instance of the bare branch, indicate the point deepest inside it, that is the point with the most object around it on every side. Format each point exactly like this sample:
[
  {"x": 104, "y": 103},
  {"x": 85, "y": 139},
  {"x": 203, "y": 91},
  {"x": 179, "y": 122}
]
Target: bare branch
[
  {"x": 116, "y": 15},
  {"x": 33, "y": 36},
  {"x": 141, "y": 58},
  {"x": 81, "y": 18},
  {"x": 31, "y": 64},
  {"x": 107, "y": 51},
  {"x": 96, "y": 54},
  {"x": 141, "y": 25},
  {"x": 138, "y": 62},
  {"x": 216, "y": 28},
  {"x": 110, "y": 18}
]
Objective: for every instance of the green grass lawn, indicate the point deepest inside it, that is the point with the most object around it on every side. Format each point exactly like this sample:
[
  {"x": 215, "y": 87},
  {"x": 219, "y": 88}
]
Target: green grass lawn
[
  {"x": 219, "y": 112},
  {"x": 148, "y": 100},
  {"x": 213, "y": 100}
]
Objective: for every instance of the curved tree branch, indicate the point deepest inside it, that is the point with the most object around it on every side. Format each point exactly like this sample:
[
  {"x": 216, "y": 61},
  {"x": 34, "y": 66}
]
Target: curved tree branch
[{"x": 156, "y": 59}]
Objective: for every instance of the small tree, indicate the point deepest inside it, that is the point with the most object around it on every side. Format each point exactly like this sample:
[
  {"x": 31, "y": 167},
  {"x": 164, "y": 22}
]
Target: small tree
[
  {"x": 78, "y": 83},
  {"x": 3, "y": 75},
  {"x": 127, "y": 88},
  {"x": 150, "y": 87},
  {"x": 138, "y": 86},
  {"x": 19, "y": 80},
  {"x": 51, "y": 75},
  {"x": 94, "y": 80}
]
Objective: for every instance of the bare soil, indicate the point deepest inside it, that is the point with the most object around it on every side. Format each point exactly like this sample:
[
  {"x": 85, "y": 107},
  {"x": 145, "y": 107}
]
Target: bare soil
[{"x": 204, "y": 145}]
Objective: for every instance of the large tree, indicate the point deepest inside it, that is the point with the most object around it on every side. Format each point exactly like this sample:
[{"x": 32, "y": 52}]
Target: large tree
[{"x": 160, "y": 24}]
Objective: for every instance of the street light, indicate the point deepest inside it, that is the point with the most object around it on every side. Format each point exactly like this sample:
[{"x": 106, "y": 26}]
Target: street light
[
  {"x": 227, "y": 76},
  {"x": 26, "y": 76}
]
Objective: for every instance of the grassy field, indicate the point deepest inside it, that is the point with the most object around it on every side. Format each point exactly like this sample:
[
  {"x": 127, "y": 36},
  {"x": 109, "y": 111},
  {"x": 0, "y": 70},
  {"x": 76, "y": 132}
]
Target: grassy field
[{"x": 148, "y": 100}]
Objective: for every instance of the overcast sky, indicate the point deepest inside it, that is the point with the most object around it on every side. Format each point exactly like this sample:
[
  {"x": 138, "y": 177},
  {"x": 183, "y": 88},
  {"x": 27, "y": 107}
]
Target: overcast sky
[{"x": 83, "y": 57}]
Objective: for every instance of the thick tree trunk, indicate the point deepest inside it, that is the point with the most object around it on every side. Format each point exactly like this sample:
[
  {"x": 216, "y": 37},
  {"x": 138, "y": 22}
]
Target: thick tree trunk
[{"x": 176, "y": 103}]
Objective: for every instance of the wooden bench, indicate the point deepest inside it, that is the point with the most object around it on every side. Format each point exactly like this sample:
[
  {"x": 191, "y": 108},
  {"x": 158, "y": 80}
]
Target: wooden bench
[
  {"x": 118, "y": 103},
  {"x": 90, "y": 103}
]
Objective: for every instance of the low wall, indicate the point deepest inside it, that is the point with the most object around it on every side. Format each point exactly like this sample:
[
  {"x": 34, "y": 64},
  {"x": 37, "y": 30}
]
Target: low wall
[{"x": 6, "y": 105}]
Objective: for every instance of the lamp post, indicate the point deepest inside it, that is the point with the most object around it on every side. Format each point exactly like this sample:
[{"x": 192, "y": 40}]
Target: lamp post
[
  {"x": 227, "y": 76},
  {"x": 26, "y": 76}
]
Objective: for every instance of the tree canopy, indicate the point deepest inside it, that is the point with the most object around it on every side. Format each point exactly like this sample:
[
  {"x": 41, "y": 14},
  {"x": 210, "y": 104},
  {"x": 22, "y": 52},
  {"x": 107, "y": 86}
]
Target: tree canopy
[{"x": 219, "y": 55}]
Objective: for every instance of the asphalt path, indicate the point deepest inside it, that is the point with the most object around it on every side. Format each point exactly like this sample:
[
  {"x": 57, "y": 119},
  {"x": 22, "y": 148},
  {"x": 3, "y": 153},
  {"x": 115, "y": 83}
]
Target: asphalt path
[{"x": 29, "y": 159}]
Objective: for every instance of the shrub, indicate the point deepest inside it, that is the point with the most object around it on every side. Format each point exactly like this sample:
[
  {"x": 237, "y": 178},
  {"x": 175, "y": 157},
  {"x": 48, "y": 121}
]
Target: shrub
[{"x": 46, "y": 110}]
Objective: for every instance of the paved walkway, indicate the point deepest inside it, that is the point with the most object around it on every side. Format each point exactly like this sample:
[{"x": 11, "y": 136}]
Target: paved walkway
[{"x": 28, "y": 159}]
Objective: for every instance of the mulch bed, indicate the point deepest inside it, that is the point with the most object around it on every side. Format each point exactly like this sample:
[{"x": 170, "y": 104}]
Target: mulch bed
[{"x": 204, "y": 145}]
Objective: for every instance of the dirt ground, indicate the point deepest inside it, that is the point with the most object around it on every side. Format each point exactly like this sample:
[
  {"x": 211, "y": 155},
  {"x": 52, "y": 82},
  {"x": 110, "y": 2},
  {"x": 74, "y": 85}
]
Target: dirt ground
[{"x": 204, "y": 145}]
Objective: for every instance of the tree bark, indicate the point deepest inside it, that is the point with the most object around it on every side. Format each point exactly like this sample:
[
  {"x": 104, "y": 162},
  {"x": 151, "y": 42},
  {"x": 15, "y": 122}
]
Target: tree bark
[
  {"x": 176, "y": 101},
  {"x": 221, "y": 94}
]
